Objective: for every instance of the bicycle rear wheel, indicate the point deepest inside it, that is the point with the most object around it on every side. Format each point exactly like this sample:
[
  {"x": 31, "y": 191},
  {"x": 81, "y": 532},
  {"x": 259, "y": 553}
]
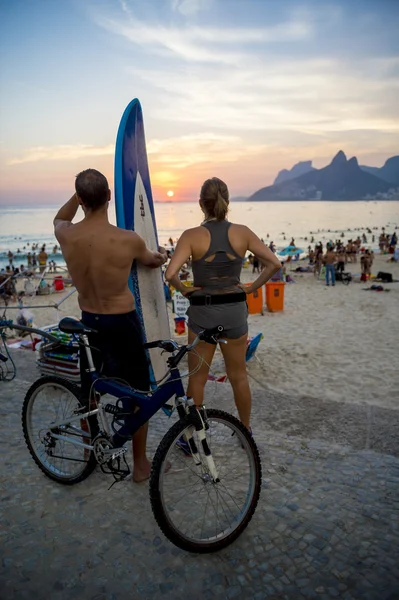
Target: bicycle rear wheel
[
  {"x": 51, "y": 400},
  {"x": 193, "y": 511}
]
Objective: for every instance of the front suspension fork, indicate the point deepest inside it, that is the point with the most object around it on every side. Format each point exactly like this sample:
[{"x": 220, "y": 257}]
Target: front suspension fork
[{"x": 198, "y": 422}]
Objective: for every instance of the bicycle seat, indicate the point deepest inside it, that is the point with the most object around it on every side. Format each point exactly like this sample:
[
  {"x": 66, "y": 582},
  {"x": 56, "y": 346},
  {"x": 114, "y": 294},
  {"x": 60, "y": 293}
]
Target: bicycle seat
[{"x": 70, "y": 325}]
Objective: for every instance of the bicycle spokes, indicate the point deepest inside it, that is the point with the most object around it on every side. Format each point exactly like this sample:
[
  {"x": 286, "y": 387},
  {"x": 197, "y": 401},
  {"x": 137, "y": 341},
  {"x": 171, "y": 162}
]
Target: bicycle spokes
[{"x": 207, "y": 494}]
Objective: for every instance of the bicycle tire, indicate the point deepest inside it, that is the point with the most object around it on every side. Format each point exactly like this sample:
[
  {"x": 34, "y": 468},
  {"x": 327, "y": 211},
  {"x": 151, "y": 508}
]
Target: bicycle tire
[
  {"x": 161, "y": 512},
  {"x": 39, "y": 458}
]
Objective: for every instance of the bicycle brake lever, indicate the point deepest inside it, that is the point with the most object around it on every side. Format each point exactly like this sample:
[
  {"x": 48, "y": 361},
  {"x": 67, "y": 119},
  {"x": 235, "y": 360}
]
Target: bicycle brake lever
[{"x": 222, "y": 341}]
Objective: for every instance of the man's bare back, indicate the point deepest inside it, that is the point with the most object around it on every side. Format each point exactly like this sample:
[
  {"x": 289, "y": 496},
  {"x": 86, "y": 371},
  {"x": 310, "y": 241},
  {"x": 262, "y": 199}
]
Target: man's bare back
[
  {"x": 99, "y": 257},
  {"x": 329, "y": 257}
]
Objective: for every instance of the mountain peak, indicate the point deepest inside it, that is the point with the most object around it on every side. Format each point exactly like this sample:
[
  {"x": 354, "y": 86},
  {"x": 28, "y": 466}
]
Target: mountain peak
[
  {"x": 299, "y": 169},
  {"x": 339, "y": 159},
  {"x": 342, "y": 179},
  {"x": 353, "y": 162}
]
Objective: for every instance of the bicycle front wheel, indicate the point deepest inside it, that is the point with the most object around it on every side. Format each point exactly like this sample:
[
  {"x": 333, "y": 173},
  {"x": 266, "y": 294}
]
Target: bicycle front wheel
[
  {"x": 194, "y": 512},
  {"x": 51, "y": 401}
]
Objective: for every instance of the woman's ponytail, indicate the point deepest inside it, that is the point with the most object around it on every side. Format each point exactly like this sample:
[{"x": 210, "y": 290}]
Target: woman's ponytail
[{"x": 214, "y": 198}]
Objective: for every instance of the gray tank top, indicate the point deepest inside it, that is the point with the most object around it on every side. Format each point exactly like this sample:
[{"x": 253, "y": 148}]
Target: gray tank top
[{"x": 220, "y": 268}]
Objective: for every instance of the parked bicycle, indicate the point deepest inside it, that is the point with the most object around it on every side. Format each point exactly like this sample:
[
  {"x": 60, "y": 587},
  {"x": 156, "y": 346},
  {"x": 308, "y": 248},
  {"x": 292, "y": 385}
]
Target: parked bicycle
[{"x": 202, "y": 502}]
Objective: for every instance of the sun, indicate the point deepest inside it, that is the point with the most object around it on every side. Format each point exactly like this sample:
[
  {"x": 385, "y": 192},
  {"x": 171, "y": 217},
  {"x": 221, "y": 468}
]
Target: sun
[{"x": 170, "y": 194}]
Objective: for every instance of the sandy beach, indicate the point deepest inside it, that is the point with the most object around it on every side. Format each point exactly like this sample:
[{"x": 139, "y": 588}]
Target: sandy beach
[{"x": 336, "y": 343}]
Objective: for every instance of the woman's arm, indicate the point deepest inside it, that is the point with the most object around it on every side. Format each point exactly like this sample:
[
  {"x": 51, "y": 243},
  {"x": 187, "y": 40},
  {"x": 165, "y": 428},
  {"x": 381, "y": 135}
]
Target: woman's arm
[
  {"x": 180, "y": 256},
  {"x": 268, "y": 258}
]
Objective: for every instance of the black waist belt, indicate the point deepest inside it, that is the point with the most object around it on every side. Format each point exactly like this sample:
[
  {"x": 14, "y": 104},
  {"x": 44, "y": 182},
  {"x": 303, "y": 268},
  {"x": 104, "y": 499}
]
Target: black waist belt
[{"x": 209, "y": 299}]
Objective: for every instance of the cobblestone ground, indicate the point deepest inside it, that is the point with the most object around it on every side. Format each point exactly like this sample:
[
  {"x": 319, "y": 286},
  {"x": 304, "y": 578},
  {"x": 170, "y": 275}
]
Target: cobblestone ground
[{"x": 326, "y": 525}]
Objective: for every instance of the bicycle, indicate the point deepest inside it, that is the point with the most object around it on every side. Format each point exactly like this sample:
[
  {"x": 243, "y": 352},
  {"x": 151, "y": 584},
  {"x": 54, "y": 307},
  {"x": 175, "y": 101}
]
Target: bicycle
[{"x": 201, "y": 501}]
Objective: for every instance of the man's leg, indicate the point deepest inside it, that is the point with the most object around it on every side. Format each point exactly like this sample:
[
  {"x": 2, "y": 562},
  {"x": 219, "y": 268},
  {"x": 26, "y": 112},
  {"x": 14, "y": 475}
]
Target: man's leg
[
  {"x": 333, "y": 274},
  {"x": 141, "y": 464}
]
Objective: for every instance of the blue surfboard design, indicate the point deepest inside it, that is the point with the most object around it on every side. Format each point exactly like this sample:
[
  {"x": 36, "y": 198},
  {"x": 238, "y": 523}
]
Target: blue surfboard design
[
  {"x": 131, "y": 158},
  {"x": 135, "y": 211}
]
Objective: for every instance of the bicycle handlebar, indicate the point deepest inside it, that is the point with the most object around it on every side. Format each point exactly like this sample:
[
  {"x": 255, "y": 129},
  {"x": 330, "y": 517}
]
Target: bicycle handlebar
[
  {"x": 207, "y": 335},
  {"x": 211, "y": 335},
  {"x": 170, "y": 345},
  {"x": 167, "y": 345}
]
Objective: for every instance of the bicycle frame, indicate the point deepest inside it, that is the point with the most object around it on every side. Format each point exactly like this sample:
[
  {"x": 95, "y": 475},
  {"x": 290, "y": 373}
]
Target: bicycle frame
[{"x": 146, "y": 405}]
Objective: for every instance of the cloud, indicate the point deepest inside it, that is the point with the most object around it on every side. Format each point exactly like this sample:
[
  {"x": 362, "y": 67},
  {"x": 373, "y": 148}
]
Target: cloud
[
  {"x": 188, "y": 150},
  {"x": 166, "y": 155},
  {"x": 244, "y": 77},
  {"x": 204, "y": 44},
  {"x": 42, "y": 153},
  {"x": 190, "y": 7},
  {"x": 125, "y": 8},
  {"x": 311, "y": 96}
]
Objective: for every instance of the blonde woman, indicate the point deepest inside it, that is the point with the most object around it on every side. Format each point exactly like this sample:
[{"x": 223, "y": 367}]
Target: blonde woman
[{"x": 217, "y": 249}]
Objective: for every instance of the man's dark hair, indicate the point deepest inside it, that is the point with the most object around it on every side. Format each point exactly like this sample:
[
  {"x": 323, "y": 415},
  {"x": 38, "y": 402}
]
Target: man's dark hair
[{"x": 92, "y": 188}]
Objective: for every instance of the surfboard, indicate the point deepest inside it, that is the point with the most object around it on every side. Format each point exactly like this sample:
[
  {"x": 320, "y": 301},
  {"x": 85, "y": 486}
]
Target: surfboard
[{"x": 135, "y": 211}]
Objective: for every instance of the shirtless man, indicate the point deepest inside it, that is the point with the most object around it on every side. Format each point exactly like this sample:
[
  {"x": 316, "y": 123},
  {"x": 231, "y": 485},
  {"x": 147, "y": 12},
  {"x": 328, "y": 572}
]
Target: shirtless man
[
  {"x": 329, "y": 261},
  {"x": 99, "y": 258}
]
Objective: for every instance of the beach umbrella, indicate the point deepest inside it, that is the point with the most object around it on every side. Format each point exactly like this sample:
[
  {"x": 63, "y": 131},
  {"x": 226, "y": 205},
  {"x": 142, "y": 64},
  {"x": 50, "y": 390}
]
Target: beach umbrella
[{"x": 290, "y": 251}]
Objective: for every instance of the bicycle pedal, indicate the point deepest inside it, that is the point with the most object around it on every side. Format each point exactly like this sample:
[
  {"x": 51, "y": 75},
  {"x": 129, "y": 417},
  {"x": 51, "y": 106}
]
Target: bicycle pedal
[{"x": 113, "y": 453}]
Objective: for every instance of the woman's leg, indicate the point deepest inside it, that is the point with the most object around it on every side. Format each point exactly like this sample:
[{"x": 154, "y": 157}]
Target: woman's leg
[
  {"x": 234, "y": 357},
  {"x": 197, "y": 381}
]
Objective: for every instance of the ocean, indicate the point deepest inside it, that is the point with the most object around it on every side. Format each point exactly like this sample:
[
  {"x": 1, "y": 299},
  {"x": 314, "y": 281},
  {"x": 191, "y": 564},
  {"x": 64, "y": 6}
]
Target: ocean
[{"x": 20, "y": 227}]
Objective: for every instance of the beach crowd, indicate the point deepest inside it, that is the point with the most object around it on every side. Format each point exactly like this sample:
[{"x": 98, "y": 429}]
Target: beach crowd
[{"x": 333, "y": 256}]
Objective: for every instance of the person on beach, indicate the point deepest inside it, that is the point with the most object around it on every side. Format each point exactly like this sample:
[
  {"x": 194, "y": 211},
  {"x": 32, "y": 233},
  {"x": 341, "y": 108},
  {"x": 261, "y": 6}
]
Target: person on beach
[
  {"x": 341, "y": 260},
  {"x": 10, "y": 257},
  {"x": 99, "y": 258},
  {"x": 366, "y": 264},
  {"x": 42, "y": 258},
  {"x": 217, "y": 248},
  {"x": 255, "y": 265},
  {"x": 329, "y": 262},
  {"x": 393, "y": 242}
]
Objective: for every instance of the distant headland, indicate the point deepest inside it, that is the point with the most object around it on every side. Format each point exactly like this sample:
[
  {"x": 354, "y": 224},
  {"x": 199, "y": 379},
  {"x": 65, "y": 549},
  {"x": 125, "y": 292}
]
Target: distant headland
[{"x": 342, "y": 179}]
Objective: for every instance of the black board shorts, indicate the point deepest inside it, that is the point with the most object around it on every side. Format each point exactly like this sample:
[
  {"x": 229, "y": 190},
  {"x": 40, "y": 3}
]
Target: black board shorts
[{"x": 117, "y": 350}]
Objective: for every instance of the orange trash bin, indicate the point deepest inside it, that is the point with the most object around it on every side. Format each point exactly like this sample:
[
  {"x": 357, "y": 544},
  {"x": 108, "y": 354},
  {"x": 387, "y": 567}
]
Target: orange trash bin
[
  {"x": 275, "y": 295},
  {"x": 255, "y": 301}
]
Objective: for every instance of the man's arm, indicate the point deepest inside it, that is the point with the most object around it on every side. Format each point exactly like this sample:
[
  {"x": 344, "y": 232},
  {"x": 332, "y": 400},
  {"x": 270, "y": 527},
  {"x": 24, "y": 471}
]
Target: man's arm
[
  {"x": 146, "y": 257},
  {"x": 64, "y": 216}
]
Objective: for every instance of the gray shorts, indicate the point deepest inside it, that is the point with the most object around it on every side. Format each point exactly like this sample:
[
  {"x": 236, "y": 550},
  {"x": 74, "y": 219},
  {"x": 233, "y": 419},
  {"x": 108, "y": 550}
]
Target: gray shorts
[{"x": 232, "y": 316}]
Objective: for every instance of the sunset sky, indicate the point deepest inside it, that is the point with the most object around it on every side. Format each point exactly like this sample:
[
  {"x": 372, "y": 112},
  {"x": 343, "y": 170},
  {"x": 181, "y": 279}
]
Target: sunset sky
[{"x": 232, "y": 88}]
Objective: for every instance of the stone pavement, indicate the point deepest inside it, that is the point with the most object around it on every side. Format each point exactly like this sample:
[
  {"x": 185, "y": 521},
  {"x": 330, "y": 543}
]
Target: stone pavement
[{"x": 326, "y": 525}]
